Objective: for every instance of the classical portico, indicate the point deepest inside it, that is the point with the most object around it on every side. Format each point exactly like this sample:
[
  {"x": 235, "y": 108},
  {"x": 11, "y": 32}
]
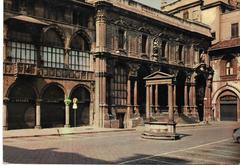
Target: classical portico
[
  {"x": 166, "y": 126},
  {"x": 153, "y": 81}
]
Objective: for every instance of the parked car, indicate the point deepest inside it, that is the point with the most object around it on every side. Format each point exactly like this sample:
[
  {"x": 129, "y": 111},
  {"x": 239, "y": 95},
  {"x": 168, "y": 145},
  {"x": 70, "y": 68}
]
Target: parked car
[{"x": 236, "y": 135}]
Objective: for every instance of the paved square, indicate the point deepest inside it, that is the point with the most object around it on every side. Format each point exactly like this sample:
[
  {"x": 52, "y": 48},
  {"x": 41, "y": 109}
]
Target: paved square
[{"x": 202, "y": 145}]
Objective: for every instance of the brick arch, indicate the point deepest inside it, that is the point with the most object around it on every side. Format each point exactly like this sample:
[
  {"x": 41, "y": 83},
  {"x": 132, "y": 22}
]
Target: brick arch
[
  {"x": 82, "y": 86},
  {"x": 59, "y": 31},
  {"x": 17, "y": 83},
  {"x": 222, "y": 90},
  {"x": 82, "y": 33},
  {"x": 52, "y": 84}
]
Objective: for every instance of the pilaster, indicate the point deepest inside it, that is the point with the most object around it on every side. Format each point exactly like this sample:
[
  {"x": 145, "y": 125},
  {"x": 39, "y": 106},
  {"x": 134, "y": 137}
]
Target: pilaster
[
  {"x": 38, "y": 113},
  {"x": 5, "y": 112}
]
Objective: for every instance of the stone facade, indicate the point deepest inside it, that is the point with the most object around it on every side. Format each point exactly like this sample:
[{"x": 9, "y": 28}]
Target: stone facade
[
  {"x": 98, "y": 52},
  {"x": 223, "y": 18}
]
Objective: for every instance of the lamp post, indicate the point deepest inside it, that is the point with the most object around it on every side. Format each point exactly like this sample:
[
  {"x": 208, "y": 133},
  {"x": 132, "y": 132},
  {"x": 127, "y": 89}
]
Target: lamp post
[{"x": 75, "y": 100}]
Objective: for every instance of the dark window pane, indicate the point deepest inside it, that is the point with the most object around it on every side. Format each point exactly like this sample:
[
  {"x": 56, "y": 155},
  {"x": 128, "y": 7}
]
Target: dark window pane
[
  {"x": 120, "y": 39},
  {"x": 144, "y": 43}
]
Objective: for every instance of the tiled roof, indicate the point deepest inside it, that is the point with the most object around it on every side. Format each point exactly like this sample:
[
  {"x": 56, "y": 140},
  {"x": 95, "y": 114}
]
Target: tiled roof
[{"x": 226, "y": 44}]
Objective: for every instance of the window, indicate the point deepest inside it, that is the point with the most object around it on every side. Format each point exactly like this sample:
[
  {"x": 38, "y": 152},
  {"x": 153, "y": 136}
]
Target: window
[
  {"x": 54, "y": 12},
  {"x": 21, "y": 52},
  {"x": 213, "y": 35},
  {"x": 229, "y": 68},
  {"x": 234, "y": 30},
  {"x": 180, "y": 48},
  {"x": 144, "y": 43},
  {"x": 30, "y": 7},
  {"x": 79, "y": 18},
  {"x": 52, "y": 50},
  {"x": 186, "y": 15},
  {"x": 79, "y": 57},
  {"x": 15, "y": 5},
  {"x": 20, "y": 47},
  {"x": 163, "y": 48},
  {"x": 120, "y": 39},
  {"x": 119, "y": 86}
]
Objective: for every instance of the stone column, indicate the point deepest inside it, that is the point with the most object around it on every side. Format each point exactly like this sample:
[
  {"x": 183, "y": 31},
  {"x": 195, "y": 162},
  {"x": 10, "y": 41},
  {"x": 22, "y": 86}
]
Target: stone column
[
  {"x": 174, "y": 100},
  {"x": 207, "y": 101},
  {"x": 193, "y": 101},
  {"x": 151, "y": 100},
  {"x": 128, "y": 114},
  {"x": 147, "y": 101},
  {"x": 38, "y": 114},
  {"x": 170, "y": 103},
  {"x": 5, "y": 112},
  {"x": 136, "y": 109},
  {"x": 186, "y": 99},
  {"x": 156, "y": 99},
  {"x": 67, "y": 113}
]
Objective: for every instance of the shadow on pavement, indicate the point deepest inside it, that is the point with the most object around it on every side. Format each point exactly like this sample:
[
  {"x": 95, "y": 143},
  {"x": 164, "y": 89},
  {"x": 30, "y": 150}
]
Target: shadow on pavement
[
  {"x": 45, "y": 156},
  {"x": 50, "y": 156}
]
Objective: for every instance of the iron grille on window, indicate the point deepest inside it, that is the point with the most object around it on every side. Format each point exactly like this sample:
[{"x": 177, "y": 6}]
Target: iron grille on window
[
  {"x": 79, "y": 60},
  {"x": 53, "y": 57},
  {"x": 21, "y": 52}
]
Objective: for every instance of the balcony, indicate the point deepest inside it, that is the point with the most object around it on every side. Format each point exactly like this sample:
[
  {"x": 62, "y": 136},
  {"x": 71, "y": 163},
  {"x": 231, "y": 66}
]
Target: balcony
[
  {"x": 66, "y": 74},
  {"x": 20, "y": 68},
  {"x": 26, "y": 69}
]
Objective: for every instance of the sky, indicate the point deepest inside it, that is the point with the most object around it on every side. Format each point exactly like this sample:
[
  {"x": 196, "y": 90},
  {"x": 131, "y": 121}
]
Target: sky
[{"x": 151, "y": 3}]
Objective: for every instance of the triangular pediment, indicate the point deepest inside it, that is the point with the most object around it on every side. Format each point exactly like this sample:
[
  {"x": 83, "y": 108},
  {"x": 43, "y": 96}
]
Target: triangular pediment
[{"x": 158, "y": 76}]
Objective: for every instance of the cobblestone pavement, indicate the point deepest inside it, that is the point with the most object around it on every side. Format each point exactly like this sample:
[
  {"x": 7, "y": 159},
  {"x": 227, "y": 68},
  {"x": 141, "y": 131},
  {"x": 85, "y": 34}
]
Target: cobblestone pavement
[{"x": 205, "y": 145}]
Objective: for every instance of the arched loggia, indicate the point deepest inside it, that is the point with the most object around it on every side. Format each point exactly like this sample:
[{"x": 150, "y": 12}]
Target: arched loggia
[
  {"x": 21, "y": 107},
  {"x": 142, "y": 72},
  {"x": 81, "y": 116},
  {"x": 180, "y": 84},
  {"x": 52, "y": 107}
]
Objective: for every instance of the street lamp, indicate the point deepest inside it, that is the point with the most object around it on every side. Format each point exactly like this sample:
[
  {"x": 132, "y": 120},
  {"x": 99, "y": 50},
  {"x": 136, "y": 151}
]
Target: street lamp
[{"x": 75, "y": 100}]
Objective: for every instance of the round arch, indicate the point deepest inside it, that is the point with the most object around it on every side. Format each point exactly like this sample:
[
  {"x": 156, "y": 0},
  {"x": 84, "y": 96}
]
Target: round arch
[
  {"x": 21, "y": 106},
  {"x": 52, "y": 106},
  {"x": 56, "y": 28},
  {"x": 81, "y": 115},
  {"x": 226, "y": 104},
  {"x": 84, "y": 35},
  {"x": 222, "y": 89},
  {"x": 50, "y": 84},
  {"x": 26, "y": 84}
]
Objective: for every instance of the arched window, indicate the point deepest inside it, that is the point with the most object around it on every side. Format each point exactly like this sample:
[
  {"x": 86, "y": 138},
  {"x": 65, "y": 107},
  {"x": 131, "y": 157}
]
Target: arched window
[
  {"x": 20, "y": 46},
  {"x": 229, "y": 68},
  {"x": 119, "y": 86},
  {"x": 53, "y": 50},
  {"x": 79, "y": 57}
]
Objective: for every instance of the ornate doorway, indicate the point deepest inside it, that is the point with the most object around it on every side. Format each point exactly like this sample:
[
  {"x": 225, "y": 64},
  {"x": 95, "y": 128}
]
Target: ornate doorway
[{"x": 228, "y": 108}]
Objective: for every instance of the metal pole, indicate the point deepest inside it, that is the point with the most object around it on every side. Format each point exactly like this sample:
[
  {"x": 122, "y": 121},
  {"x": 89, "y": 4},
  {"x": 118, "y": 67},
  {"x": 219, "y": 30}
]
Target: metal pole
[{"x": 75, "y": 115}]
